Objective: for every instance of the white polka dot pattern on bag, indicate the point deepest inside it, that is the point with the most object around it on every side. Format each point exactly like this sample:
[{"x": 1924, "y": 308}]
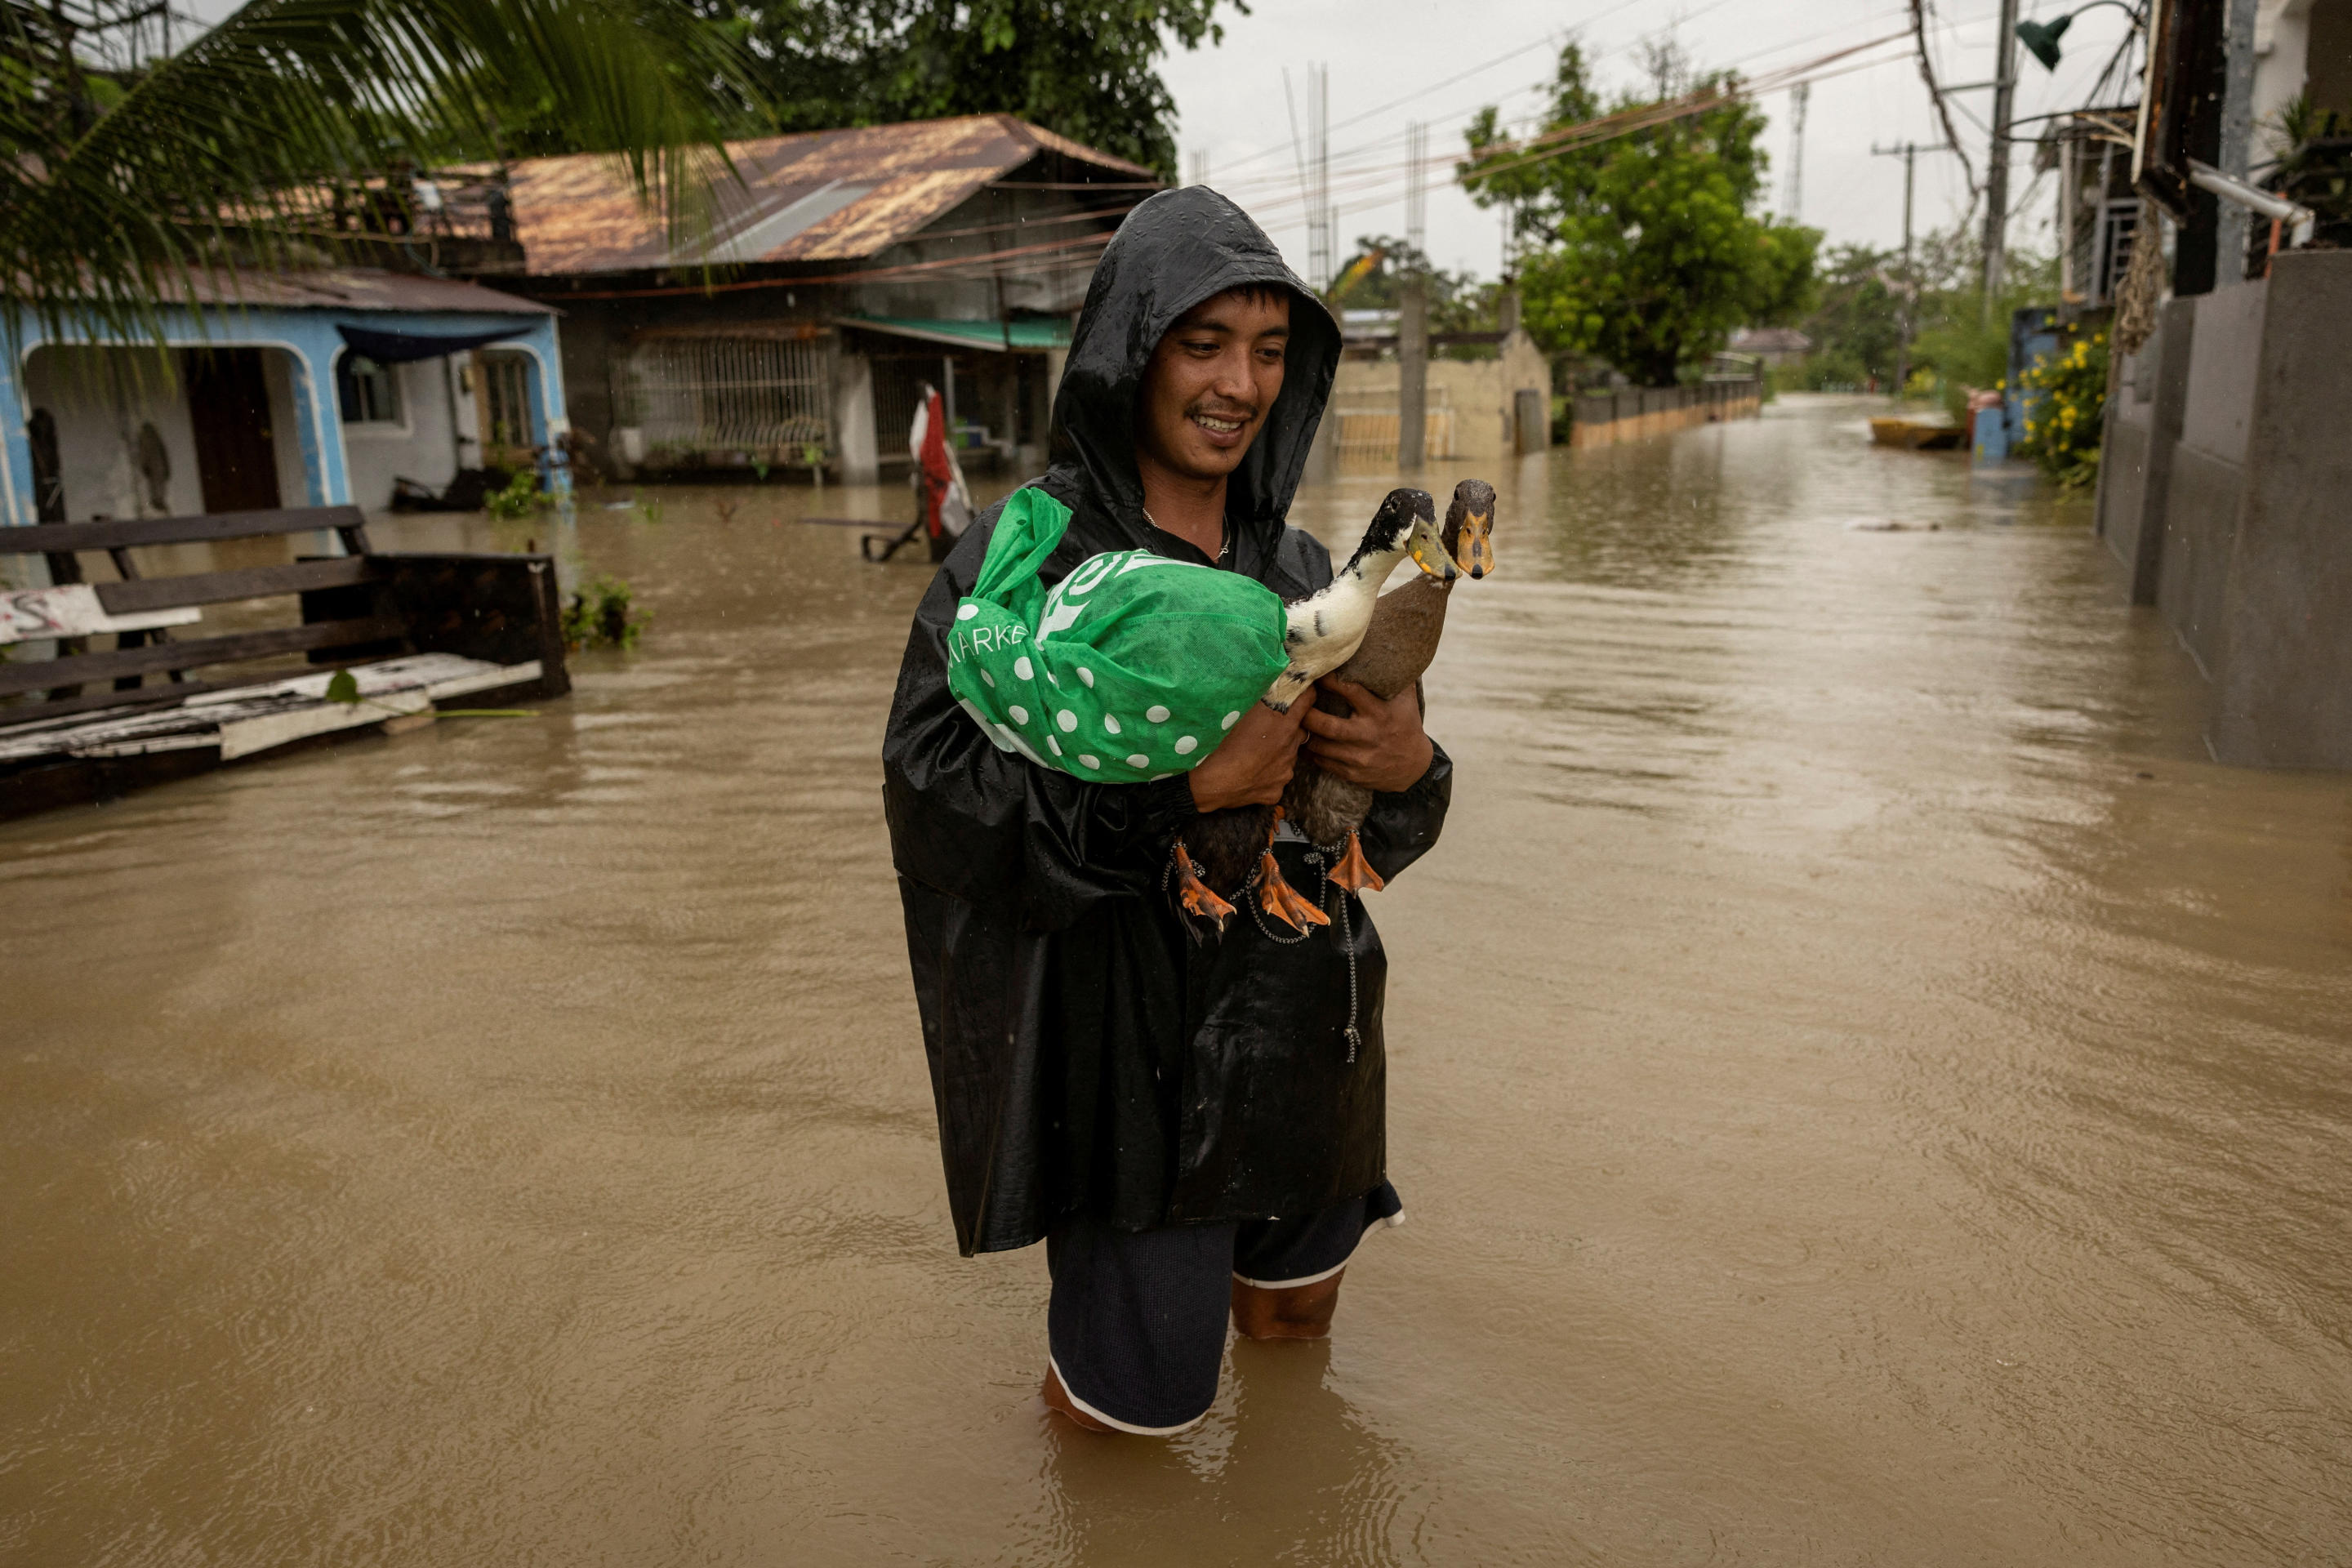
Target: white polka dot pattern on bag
[
  {"x": 1066, "y": 720},
  {"x": 1110, "y": 723},
  {"x": 1020, "y": 714},
  {"x": 1227, "y": 723},
  {"x": 1184, "y": 744},
  {"x": 1138, "y": 761},
  {"x": 967, "y": 613},
  {"x": 1086, "y": 678},
  {"x": 1155, "y": 714},
  {"x": 1090, "y": 762},
  {"x": 1024, "y": 668}
]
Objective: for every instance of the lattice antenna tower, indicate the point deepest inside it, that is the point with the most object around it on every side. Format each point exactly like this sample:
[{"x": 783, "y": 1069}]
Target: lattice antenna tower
[
  {"x": 1793, "y": 201},
  {"x": 1320, "y": 219},
  {"x": 1416, "y": 187}
]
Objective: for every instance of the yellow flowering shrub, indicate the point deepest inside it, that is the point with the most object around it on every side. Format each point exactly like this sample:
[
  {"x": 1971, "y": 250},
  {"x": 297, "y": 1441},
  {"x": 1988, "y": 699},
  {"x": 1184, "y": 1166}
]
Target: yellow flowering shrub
[{"x": 2065, "y": 403}]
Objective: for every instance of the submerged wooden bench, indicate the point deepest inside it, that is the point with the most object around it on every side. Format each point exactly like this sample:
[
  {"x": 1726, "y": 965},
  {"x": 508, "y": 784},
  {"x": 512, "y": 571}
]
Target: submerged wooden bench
[{"x": 414, "y": 629}]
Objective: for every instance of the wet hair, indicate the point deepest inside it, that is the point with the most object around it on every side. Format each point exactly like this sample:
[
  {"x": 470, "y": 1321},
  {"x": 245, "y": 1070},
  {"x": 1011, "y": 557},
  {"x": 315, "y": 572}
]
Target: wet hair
[
  {"x": 1260, "y": 293},
  {"x": 1255, "y": 294}
]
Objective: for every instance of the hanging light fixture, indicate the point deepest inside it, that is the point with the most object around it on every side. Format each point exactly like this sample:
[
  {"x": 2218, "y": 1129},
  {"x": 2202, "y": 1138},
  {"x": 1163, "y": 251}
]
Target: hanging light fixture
[{"x": 2040, "y": 38}]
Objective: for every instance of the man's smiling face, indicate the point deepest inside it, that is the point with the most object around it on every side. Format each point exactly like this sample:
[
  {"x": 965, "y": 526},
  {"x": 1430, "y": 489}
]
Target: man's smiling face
[{"x": 1212, "y": 381}]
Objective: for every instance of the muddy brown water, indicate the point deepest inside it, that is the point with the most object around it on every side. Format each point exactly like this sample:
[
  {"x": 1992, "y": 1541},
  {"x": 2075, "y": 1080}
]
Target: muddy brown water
[{"x": 1867, "y": 1089}]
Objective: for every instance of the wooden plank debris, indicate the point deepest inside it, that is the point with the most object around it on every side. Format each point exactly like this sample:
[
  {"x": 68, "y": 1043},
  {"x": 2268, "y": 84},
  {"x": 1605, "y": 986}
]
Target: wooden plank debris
[
  {"x": 244, "y": 719},
  {"x": 75, "y": 610}
]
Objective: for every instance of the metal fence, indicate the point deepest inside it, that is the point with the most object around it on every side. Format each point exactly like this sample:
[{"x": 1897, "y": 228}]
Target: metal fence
[{"x": 727, "y": 399}]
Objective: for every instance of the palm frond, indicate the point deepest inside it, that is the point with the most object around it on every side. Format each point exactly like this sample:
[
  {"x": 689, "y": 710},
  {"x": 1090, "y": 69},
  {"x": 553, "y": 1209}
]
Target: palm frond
[{"x": 222, "y": 150}]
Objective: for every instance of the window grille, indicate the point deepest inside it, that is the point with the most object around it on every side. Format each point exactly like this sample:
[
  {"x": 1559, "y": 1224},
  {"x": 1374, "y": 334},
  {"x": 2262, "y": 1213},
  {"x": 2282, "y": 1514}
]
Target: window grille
[
  {"x": 713, "y": 397},
  {"x": 2118, "y": 224}
]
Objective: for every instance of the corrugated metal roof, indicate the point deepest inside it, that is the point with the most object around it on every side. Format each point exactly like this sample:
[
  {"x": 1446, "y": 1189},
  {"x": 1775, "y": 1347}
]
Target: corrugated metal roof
[
  {"x": 359, "y": 289},
  {"x": 577, "y": 215},
  {"x": 994, "y": 335}
]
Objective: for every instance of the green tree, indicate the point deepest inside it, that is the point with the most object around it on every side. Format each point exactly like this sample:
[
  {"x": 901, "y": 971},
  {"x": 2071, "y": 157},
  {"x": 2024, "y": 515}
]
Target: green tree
[
  {"x": 1086, "y": 69},
  {"x": 135, "y": 166},
  {"x": 1857, "y": 324},
  {"x": 1648, "y": 248}
]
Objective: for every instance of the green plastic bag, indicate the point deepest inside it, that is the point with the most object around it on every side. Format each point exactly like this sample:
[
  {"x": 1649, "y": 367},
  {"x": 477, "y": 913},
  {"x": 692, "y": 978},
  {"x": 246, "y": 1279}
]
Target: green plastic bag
[{"x": 1134, "y": 665}]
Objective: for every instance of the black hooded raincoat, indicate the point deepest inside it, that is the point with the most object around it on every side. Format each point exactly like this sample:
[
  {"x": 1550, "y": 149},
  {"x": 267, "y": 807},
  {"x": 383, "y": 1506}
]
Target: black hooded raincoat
[{"x": 1084, "y": 1054}]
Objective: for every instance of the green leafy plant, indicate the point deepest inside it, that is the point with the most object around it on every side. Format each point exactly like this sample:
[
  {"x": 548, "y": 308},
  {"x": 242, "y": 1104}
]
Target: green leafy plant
[
  {"x": 604, "y": 614},
  {"x": 343, "y": 687},
  {"x": 522, "y": 497},
  {"x": 2065, "y": 401},
  {"x": 651, "y": 510}
]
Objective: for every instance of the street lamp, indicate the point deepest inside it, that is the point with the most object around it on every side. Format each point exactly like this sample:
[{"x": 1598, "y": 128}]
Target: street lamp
[{"x": 2040, "y": 38}]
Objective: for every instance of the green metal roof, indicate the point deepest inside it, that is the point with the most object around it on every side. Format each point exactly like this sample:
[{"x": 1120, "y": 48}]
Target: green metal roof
[{"x": 1049, "y": 333}]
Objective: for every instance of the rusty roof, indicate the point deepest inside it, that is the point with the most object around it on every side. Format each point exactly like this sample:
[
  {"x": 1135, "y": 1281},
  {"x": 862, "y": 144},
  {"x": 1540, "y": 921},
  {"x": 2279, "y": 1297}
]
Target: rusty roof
[
  {"x": 357, "y": 288},
  {"x": 825, "y": 195}
]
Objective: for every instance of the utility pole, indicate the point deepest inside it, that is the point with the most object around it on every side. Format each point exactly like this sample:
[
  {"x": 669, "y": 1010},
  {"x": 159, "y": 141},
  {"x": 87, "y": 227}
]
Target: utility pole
[
  {"x": 1909, "y": 153},
  {"x": 1412, "y": 315},
  {"x": 1200, "y": 166},
  {"x": 2004, "y": 92},
  {"x": 1793, "y": 202}
]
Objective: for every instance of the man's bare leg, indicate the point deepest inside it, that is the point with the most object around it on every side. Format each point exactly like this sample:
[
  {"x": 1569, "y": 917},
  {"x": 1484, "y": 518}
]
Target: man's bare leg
[
  {"x": 1296, "y": 1312},
  {"x": 1058, "y": 1399}
]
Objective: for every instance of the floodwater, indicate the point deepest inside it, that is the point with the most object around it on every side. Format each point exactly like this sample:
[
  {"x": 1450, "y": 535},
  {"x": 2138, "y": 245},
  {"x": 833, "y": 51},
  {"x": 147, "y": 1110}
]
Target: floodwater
[{"x": 1867, "y": 1090}]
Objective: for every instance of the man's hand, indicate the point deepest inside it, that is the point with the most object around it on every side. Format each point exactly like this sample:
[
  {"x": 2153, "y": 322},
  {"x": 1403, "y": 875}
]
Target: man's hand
[
  {"x": 1380, "y": 745},
  {"x": 1251, "y": 766}
]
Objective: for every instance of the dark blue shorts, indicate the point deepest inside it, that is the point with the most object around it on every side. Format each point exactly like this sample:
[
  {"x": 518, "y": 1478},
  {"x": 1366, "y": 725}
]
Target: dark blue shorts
[{"x": 1136, "y": 1325}]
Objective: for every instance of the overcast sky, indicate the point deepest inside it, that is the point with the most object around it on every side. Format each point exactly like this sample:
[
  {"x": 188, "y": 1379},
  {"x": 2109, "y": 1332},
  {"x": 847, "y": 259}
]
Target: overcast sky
[{"x": 1381, "y": 51}]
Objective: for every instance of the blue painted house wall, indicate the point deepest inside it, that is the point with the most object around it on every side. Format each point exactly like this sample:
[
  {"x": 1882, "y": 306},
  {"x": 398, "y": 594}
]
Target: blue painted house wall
[{"x": 309, "y": 338}]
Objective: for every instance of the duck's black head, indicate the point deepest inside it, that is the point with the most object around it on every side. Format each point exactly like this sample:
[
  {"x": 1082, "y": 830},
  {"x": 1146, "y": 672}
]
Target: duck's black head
[
  {"x": 1469, "y": 528},
  {"x": 1392, "y": 525}
]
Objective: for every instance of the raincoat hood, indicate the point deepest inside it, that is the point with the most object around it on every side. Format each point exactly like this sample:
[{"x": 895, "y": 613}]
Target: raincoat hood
[{"x": 1175, "y": 251}]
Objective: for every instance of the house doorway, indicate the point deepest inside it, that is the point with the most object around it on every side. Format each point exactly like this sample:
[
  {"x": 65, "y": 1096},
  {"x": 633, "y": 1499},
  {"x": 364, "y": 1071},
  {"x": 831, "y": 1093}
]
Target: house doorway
[{"x": 236, "y": 452}]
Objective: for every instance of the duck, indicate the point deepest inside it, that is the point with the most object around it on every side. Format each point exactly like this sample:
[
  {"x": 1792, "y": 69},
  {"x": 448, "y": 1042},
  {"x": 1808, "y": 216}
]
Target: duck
[
  {"x": 1322, "y": 631},
  {"x": 1397, "y": 648}
]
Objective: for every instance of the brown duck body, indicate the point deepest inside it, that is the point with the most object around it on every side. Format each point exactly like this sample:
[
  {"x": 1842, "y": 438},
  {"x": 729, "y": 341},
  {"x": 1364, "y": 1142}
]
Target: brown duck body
[{"x": 1406, "y": 625}]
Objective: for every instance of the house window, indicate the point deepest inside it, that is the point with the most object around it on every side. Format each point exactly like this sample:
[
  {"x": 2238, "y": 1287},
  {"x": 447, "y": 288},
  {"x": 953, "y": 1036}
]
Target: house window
[
  {"x": 368, "y": 392},
  {"x": 728, "y": 400},
  {"x": 506, "y": 405}
]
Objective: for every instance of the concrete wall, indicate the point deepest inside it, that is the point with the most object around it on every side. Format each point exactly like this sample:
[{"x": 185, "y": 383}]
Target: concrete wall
[
  {"x": 2143, "y": 431},
  {"x": 100, "y": 398},
  {"x": 1638, "y": 414},
  {"x": 852, "y": 420},
  {"x": 2226, "y": 492},
  {"x": 422, "y": 445},
  {"x": 2208, "y": 477},
  {"x": 2284, "y": 680},
  {"x": 1480, "y": 394}
]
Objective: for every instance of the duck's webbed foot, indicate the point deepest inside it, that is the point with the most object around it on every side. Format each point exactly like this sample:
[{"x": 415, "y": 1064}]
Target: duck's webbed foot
[
  {"x": 1354, "y": 872},
  {"x": 1197, "y": 896},
  {"x": 1279, "y": 898}
]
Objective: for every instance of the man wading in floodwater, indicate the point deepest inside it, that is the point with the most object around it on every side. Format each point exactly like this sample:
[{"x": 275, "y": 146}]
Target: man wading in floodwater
[{"x": 1180, "y": 1122}]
